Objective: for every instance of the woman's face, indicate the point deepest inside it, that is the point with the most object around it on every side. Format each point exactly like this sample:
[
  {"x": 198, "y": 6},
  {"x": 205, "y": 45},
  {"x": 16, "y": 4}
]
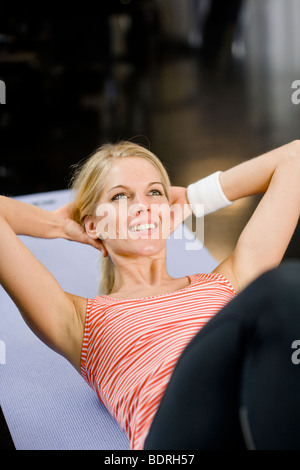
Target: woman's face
[{"x": 133, "y": 215}]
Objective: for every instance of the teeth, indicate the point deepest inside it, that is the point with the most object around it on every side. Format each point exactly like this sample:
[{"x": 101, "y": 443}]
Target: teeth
[{"x": 137, "y": 228}]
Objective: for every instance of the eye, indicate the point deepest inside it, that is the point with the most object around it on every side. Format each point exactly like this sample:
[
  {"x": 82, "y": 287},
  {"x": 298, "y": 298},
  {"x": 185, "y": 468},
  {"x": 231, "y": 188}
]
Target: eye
[
  {"x": 155, "y": 192},
  {"x": 118, "y": 196}
]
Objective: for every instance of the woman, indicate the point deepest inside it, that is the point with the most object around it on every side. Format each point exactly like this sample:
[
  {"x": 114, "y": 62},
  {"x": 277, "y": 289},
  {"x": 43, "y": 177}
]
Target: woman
[{"x": 180, "y": 363}]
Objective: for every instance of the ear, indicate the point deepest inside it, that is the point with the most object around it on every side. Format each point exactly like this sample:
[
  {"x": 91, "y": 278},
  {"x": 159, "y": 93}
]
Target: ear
[{"x": 91, "y": 227}]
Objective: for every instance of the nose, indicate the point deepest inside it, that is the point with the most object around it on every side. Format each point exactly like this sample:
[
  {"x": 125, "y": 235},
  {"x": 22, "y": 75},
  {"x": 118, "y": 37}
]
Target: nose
[
  {"x": 137, "y": 208},
  {"x": 139, "y": 205}
]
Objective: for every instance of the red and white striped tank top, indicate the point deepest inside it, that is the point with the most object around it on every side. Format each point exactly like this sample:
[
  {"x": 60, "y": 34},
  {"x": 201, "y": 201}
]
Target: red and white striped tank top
[{"x": 131, "y": 347}]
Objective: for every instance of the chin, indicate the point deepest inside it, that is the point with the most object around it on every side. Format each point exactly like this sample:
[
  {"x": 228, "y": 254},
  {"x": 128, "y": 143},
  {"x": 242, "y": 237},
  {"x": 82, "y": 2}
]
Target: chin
[
  {"x": 148, "y": 247},
  {"x": 138, "y": 247}
]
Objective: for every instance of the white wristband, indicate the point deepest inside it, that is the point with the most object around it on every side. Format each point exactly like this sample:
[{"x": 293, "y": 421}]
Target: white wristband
[{"x": 206, "y": 195}]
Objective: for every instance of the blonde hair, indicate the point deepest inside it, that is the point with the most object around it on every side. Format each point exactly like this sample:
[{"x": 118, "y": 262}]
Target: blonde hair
[{"x": 88, "y": 183}]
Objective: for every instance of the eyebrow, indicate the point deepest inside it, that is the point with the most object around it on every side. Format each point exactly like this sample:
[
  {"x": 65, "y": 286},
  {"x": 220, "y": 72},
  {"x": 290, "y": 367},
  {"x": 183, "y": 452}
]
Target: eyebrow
[{"x": 126, "y": 187}]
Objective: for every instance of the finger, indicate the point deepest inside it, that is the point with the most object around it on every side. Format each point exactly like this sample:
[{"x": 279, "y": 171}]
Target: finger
[{"x": 95, "y": 244}]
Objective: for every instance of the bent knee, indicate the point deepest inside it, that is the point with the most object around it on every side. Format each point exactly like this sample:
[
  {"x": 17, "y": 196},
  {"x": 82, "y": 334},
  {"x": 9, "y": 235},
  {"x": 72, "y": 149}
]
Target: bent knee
[{"x": 275, "y": 296}]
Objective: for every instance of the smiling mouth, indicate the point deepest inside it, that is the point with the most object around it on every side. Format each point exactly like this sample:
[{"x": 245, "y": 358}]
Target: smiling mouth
[{"x": 139, "y": 228}]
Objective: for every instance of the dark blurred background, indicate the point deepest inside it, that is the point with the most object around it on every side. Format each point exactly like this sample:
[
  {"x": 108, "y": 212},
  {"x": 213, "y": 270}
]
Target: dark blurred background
[{"x": 205, "y": 84}]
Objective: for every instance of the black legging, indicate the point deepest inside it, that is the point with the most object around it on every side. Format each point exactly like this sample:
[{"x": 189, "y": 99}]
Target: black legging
[{"x": 237, "y": 384}]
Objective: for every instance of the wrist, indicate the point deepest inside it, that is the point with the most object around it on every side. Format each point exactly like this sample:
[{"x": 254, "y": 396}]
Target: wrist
[
  {"x": 206, "y": 195},
  {"x": 56, "y": 227}
]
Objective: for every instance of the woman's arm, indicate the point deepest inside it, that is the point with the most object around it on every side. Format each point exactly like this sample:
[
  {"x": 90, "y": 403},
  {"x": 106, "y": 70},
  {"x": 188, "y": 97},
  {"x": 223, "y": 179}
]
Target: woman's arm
[
  {"x": 55, "y": 316},
  {"x": 264, "y": 240},
  {"x": 254, "y": 176},
  {"x": 27, "y": 219}
]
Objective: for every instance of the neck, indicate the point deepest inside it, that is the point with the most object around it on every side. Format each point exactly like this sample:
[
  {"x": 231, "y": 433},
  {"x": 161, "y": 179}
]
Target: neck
[{"x": 132, "y": 274}]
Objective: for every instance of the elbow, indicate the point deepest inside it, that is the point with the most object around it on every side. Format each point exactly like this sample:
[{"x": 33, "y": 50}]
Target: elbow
[
  {"x": 2, "y": 207},
  {"x": 289, "y": 168},
  {"x": 294, "y": 153},
  {"x": 291, "y": 158}
]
